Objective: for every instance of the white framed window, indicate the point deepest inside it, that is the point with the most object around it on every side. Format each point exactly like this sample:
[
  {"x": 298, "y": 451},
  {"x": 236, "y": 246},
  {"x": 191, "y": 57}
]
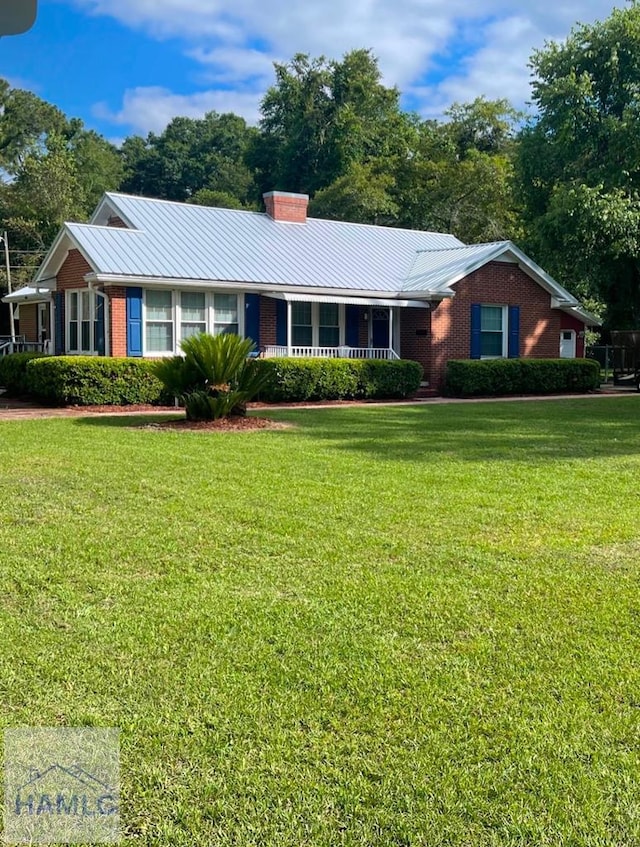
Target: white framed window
[
  {"x": 317, "y": 324},
  {"x": 225, "y": 314},
  {"x": 171, "y": 316},
  {"x": 82, "y": 322},
  {"x": 193, "y": 316},
  {"x": 159, "y": 335},
  {"x": 493, "y": 332}
]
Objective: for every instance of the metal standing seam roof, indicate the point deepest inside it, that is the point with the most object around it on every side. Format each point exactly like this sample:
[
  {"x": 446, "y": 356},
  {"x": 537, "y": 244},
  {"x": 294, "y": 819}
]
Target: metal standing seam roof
[
  {"x": 179, "y": 241},
  {"x": 183, "y": 241}
]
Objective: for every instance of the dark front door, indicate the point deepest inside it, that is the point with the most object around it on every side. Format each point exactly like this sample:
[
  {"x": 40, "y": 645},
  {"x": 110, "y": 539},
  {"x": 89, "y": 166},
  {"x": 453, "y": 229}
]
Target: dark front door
[{"x": 379, "y": 327}]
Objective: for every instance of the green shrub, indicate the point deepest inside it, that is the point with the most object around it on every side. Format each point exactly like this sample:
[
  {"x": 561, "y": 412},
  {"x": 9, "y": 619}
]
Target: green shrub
[
  {"x": 89, "y": 381},
  {"x": 214, "y": 378},
  {"x": 13, "y": 372},
  {"x": 491, "y": 377},
  {"x": 296, "y": 380}
]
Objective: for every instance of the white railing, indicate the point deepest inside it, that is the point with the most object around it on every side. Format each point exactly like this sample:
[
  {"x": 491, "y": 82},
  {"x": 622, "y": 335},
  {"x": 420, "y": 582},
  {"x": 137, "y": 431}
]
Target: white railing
[
  {"x": 8, "y": 347},
  {"x": 329, "y": 352}
]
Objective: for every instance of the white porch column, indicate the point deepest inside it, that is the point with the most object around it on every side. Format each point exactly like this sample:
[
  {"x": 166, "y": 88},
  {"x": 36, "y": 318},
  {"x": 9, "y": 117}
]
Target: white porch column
[
  {"x": 289, "y": 328},
  {"x": 390, "y": 327}
]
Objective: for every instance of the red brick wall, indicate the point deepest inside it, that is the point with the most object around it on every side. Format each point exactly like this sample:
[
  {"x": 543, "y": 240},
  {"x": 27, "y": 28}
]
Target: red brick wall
[
  {"x": 72, "y": 272},
  {"x": 267, "y": 321},
  {"x": 500, "y": 284},
  {"x": 415, "y": 336},
  {"x": 28, "y": 323},
  {"x": 569, "y": 322},
  {"x": 114, "y": 220},
  {"x": 117, "y": 319}
]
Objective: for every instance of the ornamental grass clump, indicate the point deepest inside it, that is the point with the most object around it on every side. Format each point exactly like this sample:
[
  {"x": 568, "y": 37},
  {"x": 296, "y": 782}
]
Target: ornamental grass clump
[{"x": 215, "y": 378}]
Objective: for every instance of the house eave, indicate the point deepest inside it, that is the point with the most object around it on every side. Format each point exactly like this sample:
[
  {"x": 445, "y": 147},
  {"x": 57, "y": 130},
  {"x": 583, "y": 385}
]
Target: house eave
[{"x": 260, "y": 287}]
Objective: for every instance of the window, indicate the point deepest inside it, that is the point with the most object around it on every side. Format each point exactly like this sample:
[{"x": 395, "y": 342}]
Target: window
[
  {"x": 328, "y": 325},
  {"x": 225, "y": 313},
  {"x": 492, "y": 332},
  {"x": 72, "y": 311},
  {"x": 316, "y": 324},
  {"x": 83, "y": 315},
  {"x": 193, "y": 317},
  {"x": 171, "y": 316},
  {"x": 301, "y": 325},
  {"x": 159, "y": 322}
]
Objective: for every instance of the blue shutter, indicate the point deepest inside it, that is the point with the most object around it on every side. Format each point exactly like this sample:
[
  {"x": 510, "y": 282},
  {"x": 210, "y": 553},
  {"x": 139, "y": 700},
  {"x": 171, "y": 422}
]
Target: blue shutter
[
  {"x": 58, "y": 322},
  {"x": 352, "y": 319},
  {"x": 476, "y": 323},
  {"x": 134, "y": 322},
  {"x": 100, "y": 325},
  {"x": 281, "y": 323},
  {"x": 514, "y": 332},
  {"x": 252, "y": 318}
]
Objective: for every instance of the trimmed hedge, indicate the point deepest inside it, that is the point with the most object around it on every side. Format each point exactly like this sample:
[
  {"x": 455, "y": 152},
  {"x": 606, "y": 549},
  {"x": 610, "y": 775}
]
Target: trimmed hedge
[
  {"x": 13, "y": 372},
  {"x": 94, "y": 381},
  {"x": 295, "y": 380},
  {"x": 490, "y": 377},
  {"x": 90, "y": 380}
]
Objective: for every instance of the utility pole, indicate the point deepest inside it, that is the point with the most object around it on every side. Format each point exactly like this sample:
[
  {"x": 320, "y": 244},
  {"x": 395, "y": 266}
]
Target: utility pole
[{"x": 12, "y": 322}]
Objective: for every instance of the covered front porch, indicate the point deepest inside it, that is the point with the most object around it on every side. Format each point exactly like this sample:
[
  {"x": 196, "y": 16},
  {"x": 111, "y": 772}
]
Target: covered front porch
[{"x": 319, "y": 326}]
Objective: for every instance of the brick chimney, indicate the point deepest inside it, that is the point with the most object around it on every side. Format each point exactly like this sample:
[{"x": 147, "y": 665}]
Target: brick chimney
[{"x": 284, "y": 206}]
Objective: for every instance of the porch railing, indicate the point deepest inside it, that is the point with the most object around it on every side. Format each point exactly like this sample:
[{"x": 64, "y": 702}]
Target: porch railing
[
  {"x": 329, "y": 352},
  {"x": 21, "y": 346}
]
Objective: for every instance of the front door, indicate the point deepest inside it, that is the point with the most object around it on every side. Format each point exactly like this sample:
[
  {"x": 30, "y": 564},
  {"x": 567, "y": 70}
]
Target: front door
[
  {"x": 568, "y": 344},
  {"x": 380, "y": 327}
]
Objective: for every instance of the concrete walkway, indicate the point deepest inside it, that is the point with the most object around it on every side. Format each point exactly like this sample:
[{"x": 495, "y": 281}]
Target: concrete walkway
[{"x": 17, "y": 410}]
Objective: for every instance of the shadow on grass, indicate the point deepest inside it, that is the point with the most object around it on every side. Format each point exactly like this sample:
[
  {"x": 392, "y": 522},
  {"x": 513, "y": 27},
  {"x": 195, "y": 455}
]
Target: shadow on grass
[
  {"x": 528, "y": 431},
  {"x": 125, "y": 421}
]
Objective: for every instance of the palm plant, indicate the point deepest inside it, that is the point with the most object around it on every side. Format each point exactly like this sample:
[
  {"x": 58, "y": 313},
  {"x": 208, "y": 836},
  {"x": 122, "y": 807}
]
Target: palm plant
[{"x": 215, "y": 378}]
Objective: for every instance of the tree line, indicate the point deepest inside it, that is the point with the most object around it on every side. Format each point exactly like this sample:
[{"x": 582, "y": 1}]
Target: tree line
[{"x": 563, "y": 184}]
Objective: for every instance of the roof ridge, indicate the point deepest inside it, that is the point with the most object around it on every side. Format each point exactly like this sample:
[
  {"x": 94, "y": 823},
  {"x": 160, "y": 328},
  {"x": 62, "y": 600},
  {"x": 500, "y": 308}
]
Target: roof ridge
[{"x": 460, "y": 246}]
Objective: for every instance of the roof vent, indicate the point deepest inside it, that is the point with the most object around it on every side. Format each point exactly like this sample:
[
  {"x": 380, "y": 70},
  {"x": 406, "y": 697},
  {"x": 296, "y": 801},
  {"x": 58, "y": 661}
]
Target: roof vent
[{"x": 284, "y": 206}]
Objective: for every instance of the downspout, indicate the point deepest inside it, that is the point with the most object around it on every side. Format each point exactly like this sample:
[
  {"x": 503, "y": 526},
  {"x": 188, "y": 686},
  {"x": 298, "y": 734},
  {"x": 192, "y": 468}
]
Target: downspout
[{"x": 107, "y": 345}]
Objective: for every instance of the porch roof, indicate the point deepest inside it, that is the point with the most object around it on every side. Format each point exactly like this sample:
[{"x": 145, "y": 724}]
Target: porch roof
[
  {"x": 351, "y": 301},
  {"x": 28, "y": 294}
]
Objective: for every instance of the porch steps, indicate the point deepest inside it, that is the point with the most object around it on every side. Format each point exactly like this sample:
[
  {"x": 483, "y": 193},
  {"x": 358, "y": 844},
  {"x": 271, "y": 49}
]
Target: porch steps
[{"x": 425, "y": 392}]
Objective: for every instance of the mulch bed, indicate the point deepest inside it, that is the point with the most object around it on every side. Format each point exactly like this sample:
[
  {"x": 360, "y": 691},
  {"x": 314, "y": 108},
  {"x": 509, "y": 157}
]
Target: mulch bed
[{"x": 234, "y": 424}]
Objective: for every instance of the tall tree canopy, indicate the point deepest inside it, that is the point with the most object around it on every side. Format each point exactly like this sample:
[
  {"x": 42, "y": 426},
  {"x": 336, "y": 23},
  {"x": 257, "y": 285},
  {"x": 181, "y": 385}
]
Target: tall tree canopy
[
  {"x": 579, "y": 164},
  {"x": 322, "y": 117},
  {"x": 191, "y": 156}
]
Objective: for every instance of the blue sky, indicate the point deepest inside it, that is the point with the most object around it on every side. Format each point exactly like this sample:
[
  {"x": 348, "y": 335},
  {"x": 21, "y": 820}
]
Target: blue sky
[{"x": 128, "y": 66}]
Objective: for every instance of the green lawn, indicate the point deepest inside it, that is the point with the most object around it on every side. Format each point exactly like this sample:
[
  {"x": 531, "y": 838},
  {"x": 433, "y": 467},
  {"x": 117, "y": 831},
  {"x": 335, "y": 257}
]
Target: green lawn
[{"x": 387, "y": 626}]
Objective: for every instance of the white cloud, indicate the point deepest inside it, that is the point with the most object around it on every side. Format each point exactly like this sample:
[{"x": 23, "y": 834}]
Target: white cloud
[
  {"x": 151, "y": 108},
  {"x": 487, "y": 44}
]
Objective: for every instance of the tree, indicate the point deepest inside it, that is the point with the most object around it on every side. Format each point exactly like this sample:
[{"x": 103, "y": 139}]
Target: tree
[
  {"x": 579, "y": 163},
  {"x": 362, "y": 195},
  {"x": 320, "y": 118},
  {"x": 189, "y": 156}
]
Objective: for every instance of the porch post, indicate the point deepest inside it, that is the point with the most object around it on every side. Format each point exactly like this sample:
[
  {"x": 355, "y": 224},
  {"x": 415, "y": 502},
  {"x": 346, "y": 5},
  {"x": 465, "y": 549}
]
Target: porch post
[
  {"x": 289, "y": 328},
  {"x": 390, "y": 328}
]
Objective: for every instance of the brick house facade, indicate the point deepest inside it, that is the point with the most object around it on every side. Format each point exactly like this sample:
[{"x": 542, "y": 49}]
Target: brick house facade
[{"x": 295, "y": 286}]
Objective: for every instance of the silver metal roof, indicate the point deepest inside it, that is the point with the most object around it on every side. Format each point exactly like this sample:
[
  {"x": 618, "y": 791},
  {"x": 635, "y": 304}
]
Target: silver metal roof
[
  {"x": 182, "y": 241},
  {"x": 179, "y": 242}
]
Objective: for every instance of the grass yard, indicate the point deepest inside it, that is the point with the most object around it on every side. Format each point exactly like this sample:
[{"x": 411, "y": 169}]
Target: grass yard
[{"x": 387, "y": 626}]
